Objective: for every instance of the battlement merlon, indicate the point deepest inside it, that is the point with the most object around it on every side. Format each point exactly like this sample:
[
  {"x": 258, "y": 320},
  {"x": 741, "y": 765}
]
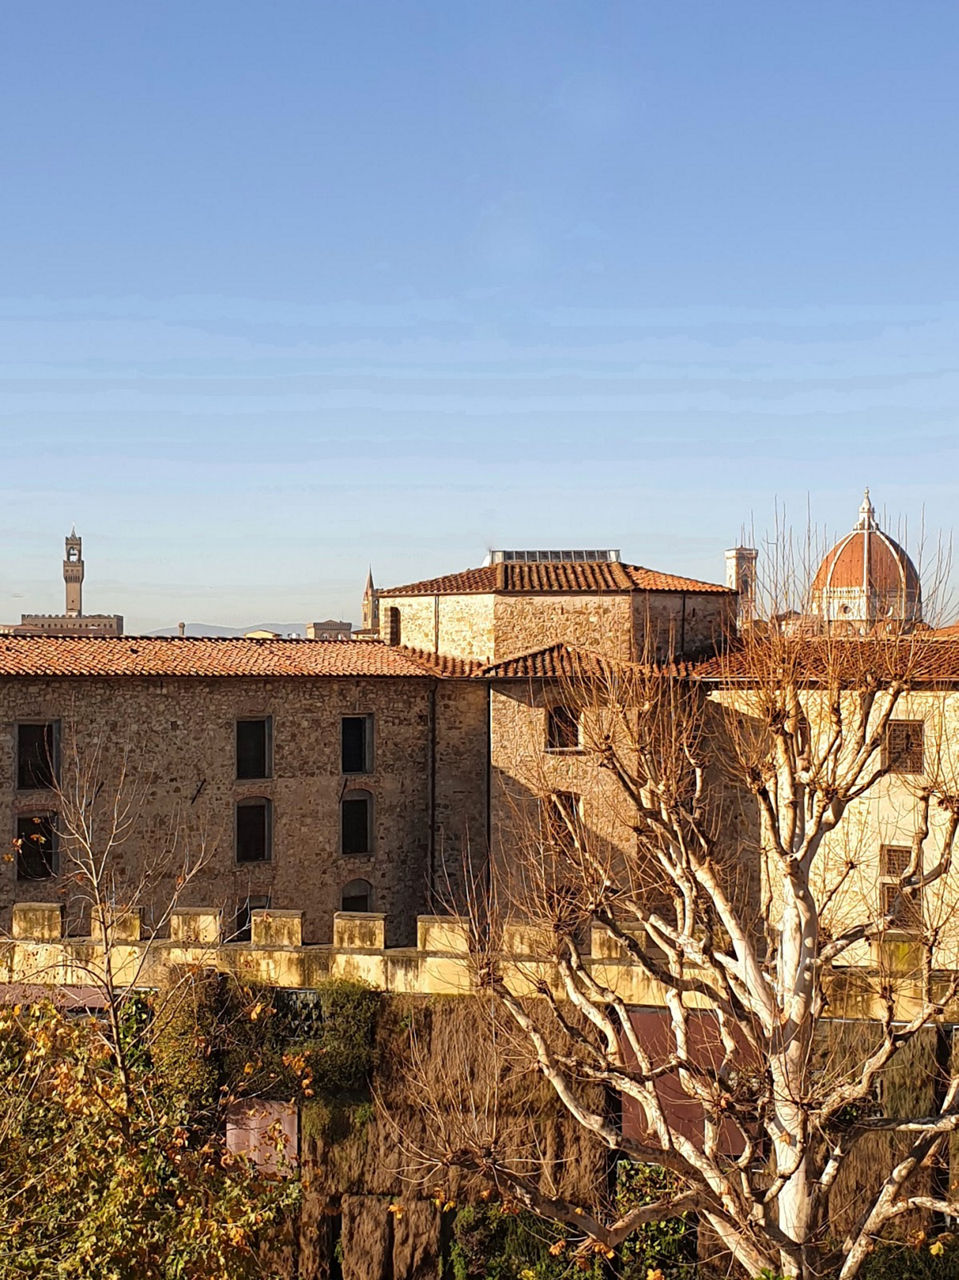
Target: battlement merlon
[{"x": 38, "y": 954}]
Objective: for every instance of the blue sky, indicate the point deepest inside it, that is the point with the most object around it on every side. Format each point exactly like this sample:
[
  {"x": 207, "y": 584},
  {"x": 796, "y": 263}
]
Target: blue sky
[{"x": 290, "y": 287}]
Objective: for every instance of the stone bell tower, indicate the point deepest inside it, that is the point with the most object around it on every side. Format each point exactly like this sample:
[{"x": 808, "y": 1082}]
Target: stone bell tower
[
  {"x": 73, "y": 575},
  {"x": 741, "y": 577},
  {"x": 371, "y": 605}
]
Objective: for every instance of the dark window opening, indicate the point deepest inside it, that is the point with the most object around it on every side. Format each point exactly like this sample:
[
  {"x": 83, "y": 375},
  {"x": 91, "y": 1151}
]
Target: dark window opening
[
  {"x": 356, "y": 813},
  {"x": 355, "y": 743},
  {"x": 37, "y": 751},
  {"x": 904, "y": 746},
  {"x": 357, "y": 896},
  {"x": 254, "y": 830},
  {"x": 562, "y": 729},
  {"x": 253, "y": 748},
  {"x": 561, "y": 820},
  {"x": 243, "y": 921},
  {"x": 904, "y": 908},
  {"x": 36, "y": 847}
]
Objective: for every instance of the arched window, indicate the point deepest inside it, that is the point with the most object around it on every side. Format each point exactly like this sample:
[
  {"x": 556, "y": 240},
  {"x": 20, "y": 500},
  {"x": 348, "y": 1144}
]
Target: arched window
[
  {"x": 356, "y": 824},
  {"x": 254, "y": 829},
  {"x": 357, "y": 896}
]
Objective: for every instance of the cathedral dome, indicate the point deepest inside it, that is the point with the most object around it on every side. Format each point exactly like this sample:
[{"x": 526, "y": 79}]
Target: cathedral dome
[{"x": 867, "y": 579}]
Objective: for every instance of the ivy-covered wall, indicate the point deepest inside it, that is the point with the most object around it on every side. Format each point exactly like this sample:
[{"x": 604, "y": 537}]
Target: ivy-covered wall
[{"x": 385, "y": 1084}]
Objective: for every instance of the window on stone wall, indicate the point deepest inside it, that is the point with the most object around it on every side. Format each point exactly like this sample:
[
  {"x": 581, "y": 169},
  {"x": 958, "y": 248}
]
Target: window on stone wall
[
  {"x": 562, "y": 729},
  {"x": 254, "y": 747},
  {"x": 356, "y": 823},
  {"x": 356, "y": 744},
  {"x": 903, "y": 749},
  {"x": 36, "y": 846},
  {"x": 243, "y": 920},
  {"x": 560, "y": 820},
  {"x": 357, "y": 896},
  {"x": 254, "y": 829},
  {"x": 38, "y": 750},
  {"x": 906, "y": 909}
]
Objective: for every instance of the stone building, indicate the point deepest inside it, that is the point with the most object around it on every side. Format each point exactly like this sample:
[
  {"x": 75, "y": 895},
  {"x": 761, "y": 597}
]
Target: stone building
[
  {"x": 73, "y": 621},
  {"x": 319, "y": 776},
  {"x": 328, "y": 776},
  {"x": 329, "y": 629},
  {"x": 521, "y": 601}
]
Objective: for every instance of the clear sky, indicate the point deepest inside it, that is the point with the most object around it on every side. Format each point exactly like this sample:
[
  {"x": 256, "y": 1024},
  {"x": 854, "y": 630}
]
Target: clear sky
[{"x": 291, "y": 287}]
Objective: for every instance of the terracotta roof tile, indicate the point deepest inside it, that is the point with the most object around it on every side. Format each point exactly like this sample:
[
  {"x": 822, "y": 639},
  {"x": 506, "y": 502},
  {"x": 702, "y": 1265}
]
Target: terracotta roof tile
[
  {"x": 189, "y": 656},
  {"x": 441, "y": 664},
  {"x": 586, "y": 576},
  {"x": 557, "y": 661},
  {"x": 920, "y": 658},
  {"x": 561, "y": 661}
]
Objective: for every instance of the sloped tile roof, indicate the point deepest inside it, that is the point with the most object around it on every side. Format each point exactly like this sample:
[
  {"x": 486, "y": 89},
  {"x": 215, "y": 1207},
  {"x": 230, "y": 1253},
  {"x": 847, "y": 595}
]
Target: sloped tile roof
[
  {"x": 557, "y": 661},
  {"x": 920, "y": 658},
  {"x": 441, "y": 664},
  {"x": 202, "y": 656},
  {"x": 587, "y": 576},
  {"x": 561, "y": 661}
]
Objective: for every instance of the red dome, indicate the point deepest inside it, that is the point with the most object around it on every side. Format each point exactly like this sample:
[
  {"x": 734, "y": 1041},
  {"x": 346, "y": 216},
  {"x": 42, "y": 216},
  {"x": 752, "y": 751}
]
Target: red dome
[
  {"x": 867, "y": 576},
  {"x": 867, "y": 558}
]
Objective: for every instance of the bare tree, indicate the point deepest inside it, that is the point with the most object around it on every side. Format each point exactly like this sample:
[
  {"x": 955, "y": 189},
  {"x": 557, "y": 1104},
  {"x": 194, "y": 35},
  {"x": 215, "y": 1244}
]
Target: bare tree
[
  {"x": 113, "y": 1160},
  {"x": 731, "y": 846}
]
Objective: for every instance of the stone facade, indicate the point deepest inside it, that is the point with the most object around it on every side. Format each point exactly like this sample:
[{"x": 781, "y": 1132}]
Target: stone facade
[
  {"x": 176, "y": 740},
  {"x": 452, "y": 752},
  {"x": 487, "y": 628}
]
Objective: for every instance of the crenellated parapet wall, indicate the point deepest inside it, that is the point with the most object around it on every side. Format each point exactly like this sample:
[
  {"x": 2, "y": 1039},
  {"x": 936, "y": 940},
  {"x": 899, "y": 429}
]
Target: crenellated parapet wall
[{"x": 39, "y": 954}]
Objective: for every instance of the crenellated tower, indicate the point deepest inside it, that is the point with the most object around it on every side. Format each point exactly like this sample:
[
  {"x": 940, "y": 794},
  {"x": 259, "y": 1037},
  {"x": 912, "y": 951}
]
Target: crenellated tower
[{"x": 73, "y": 574}]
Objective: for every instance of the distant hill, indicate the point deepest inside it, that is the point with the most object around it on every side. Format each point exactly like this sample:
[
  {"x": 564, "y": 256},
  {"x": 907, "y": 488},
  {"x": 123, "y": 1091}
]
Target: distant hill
[{"x": 208, "y": 629}]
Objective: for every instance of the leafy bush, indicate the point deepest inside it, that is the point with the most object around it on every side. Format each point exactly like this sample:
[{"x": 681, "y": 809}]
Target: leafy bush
[{"x": 287, "y": 1044}]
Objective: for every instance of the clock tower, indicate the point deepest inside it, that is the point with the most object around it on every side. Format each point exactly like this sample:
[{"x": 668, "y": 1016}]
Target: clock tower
[{"x": 73, "y": 574}]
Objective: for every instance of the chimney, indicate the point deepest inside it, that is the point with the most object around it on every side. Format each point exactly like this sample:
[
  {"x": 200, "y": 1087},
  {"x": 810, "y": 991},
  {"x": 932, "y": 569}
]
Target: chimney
[{"x": 181, "y": 628}]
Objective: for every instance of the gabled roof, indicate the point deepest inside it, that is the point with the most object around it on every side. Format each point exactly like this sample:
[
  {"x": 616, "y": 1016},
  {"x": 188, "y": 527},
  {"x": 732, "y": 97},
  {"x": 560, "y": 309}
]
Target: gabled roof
[
  {"x": 557, "y": 661},
  {"x": 917, "y": 658},
  {"x": 206, "y": 656},
  {"x": 562, "y": 661},
  {"x": 585, "y": 577}
]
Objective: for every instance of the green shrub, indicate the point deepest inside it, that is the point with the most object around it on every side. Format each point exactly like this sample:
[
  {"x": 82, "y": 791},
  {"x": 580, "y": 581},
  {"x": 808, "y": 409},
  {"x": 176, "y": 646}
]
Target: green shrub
[
  {"x": 182, "y": 1042},
  {"x": 300, "y": 1044},
  {"x": 930, "y": 1260}
]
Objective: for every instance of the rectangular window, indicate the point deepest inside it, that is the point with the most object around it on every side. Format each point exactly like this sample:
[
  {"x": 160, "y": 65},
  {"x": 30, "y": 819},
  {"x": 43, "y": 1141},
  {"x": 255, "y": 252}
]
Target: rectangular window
[
  {"x": 357, "y": 896},
  {"x": 243, "y": 922},
  {"x": 562, "y": 729},
  {"x": 38, "y": 765},
  {"x": 906, "y": 909},
  {"x": 356, "y": 826},
  {"x": 904, "y": 746},
  {"x": 561, "y": 820},
  {"x": 254, "y": 830},
  {"x": 356, "y": 744},
  {"x": 36, "y": 846},
  {"x": 254, "y": 748}
]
